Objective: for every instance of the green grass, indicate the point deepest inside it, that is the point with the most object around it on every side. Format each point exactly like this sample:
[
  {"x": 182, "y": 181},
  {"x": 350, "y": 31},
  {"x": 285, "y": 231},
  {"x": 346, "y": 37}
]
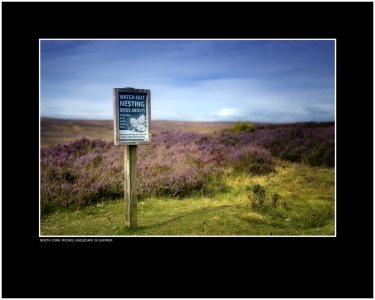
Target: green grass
[
  {"x": 308, "y": 194},
  {"x": 242, "y": 126}
]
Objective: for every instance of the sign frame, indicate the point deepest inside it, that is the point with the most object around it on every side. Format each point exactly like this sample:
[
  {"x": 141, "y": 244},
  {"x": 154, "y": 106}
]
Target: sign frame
[{"x": 116, "y": 122}]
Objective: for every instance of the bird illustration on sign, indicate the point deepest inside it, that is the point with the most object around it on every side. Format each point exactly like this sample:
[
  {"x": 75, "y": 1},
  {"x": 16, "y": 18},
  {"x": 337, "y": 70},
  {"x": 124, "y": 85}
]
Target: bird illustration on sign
[{"x": 138, "y": 124}]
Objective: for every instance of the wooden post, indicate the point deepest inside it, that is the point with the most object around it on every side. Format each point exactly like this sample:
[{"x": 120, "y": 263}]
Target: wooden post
[
  {"x": 130, "y": 188},
  {"x": 131, "y": 134}
]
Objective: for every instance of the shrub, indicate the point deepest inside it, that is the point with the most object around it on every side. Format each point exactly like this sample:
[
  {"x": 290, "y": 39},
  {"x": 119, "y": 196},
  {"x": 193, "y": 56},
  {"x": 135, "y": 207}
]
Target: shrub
[
  {"x": 176, "y": 163},
  {"x": 313, "y": 145},
  {"x": 243, "y": 126},
  {"x": 277, "y": 201},
  {"x": 79, "y": 173},
  {"x": 260, "y": 203},
  {"x": 259, "y": 194},
  {"x": 174, "y": 169},
  {"x": 86, "y": 171},
  {"x": 252, "y": 159}
]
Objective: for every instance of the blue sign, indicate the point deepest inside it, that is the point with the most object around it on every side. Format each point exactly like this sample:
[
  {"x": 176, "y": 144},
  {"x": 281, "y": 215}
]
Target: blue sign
[
  {"x": 132, "y": 115},
  {"x": 132, "y": 112}
]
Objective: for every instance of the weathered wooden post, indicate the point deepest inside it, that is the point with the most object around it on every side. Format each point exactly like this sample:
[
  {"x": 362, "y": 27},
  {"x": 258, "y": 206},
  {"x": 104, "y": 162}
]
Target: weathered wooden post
[
  {"x": 132, "y": 119},
  {"x": 130, "y": 186}
]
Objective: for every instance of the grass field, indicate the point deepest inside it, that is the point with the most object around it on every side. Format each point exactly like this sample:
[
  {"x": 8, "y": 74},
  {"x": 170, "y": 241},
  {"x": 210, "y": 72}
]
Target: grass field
[{"x": 292, "y": 198}]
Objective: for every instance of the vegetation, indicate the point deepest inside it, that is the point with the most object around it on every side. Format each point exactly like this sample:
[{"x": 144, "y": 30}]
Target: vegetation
[
  {"x": 308, "y": 192},
  {"x": 267, "y": 181},
  {"x": 243, "y": 126}
]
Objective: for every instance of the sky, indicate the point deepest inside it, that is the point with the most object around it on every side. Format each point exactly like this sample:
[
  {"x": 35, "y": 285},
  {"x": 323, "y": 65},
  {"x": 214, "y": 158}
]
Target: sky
[{"x": 277, "y": 81}]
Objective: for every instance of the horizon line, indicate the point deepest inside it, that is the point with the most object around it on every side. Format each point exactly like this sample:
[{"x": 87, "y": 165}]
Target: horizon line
[{"x": 192, "y": 121}]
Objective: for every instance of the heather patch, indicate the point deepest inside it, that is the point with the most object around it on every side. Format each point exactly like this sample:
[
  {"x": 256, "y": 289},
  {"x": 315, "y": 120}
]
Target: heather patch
[{"x": 175, "y": 164}]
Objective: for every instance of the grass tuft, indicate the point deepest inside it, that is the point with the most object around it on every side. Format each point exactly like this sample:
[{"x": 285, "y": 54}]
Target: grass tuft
[{"x": 253, "y": 217}]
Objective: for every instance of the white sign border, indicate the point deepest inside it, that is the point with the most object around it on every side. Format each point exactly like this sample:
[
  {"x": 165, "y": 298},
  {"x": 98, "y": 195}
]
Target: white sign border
[{"x": 116, "y": 133}]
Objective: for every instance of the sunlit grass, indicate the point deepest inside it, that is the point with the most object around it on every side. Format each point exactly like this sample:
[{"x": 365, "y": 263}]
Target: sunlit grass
[{"x": 308, "y": 193}]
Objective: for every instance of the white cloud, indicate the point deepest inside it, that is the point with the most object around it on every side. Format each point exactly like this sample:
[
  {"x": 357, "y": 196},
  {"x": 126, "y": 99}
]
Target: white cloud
[
  {"x": 229, "y": 112},
  {"x": 78, "y": 108}
]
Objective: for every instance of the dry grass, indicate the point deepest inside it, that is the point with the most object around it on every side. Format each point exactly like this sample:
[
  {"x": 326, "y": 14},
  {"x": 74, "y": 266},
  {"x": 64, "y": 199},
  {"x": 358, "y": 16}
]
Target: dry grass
[{"x": 62, "y": 130}]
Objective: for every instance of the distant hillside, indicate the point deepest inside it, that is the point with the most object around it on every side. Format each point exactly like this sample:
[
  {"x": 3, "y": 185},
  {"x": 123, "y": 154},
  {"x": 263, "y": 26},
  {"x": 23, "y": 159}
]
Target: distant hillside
[{"x": 61, "y": 130}]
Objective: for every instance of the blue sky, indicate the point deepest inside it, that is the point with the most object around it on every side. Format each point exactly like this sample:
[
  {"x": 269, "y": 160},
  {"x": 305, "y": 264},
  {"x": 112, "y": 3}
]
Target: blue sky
[{"x": 195, "y": 80}]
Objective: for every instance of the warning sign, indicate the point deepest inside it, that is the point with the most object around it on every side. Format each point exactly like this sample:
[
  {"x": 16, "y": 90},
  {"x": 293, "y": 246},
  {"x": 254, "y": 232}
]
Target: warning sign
[{"x": 132, "y": 116}]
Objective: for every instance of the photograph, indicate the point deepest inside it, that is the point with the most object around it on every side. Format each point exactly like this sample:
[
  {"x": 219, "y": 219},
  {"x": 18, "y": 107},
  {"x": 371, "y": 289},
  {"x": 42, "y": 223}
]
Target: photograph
[
  {"x": 187, "y": 137},
  {"x": 192, "y": 150}
]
